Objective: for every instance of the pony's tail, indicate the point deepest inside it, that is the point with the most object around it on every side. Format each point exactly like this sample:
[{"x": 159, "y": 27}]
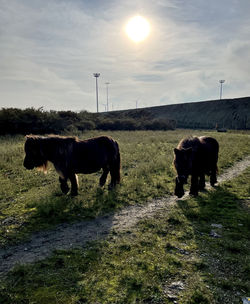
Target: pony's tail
[{"x": 117, "y": 164}]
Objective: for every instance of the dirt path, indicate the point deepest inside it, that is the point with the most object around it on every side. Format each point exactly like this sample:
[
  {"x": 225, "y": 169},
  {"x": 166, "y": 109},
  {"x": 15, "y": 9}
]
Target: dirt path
[{"x": 66, "y": 236}]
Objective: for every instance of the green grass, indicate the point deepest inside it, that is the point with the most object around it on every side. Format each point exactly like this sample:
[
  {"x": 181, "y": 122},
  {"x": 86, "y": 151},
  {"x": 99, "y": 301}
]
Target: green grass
[
  {"x": 141, "y": 264},
  {"x": 31, "y": 201}
]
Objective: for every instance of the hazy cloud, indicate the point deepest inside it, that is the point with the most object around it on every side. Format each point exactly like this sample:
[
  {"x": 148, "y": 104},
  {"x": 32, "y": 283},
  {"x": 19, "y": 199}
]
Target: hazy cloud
[{"x": 50, "y": 50}]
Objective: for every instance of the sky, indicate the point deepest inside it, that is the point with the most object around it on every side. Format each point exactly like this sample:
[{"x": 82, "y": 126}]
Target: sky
[{"x": 49, "y": 50}]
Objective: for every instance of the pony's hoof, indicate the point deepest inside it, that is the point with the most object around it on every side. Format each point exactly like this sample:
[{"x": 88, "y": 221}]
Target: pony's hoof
[
  {"x": 213, "y": 181},
  {"x": 65, "y": 189},
  {"x": 202, "y": 187},
  {"x": 193, "y": 193},
  {"x": 179, "y": 194},
  {"x": 102, "y": 183},
  {"x": 73, "y": 193},
  {"x": 111, "y": 187}
]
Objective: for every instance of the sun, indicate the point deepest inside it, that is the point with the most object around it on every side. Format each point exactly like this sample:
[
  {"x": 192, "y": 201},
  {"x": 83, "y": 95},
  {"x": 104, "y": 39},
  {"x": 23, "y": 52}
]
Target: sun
[{"x": 137, "y": 28}]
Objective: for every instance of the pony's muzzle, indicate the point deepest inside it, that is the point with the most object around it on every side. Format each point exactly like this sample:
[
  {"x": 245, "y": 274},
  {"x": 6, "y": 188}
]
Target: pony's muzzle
[
  {"x": 28, "y": 165},
  {"x": 179, "y": 191}
]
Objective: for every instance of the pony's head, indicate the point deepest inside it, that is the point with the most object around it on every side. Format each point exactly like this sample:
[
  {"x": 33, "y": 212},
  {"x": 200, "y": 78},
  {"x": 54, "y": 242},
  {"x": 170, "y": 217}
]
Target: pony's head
[
  {"x": 183, "y": 166},
  {"x": 34, "y": 154}
]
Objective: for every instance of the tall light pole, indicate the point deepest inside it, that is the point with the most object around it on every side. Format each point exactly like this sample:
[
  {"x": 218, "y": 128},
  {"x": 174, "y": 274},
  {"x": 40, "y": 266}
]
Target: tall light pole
[
  {"x": 107, "y": 84},
  {"x": 96, "y": 75},
  {"x": 221, "y": 83}
]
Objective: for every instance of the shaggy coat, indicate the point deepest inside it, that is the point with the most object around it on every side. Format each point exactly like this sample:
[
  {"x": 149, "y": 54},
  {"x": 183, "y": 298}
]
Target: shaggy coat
[
  {"x": 70, "y": 156},
  {"x": 195, "y": 156}
]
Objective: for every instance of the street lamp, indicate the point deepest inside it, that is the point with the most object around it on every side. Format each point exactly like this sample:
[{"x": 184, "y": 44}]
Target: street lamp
[
  {"x": 105, "y": 106},
  {"x": 136, "y": 103},
  {"x": 107, "y": 83},
  {"x": 96, "y": 75},
  {"x": 221, "y": 83}
]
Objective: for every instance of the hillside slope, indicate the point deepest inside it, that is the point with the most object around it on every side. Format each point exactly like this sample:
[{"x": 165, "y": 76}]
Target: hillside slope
[{"x": 225, "y": 113}]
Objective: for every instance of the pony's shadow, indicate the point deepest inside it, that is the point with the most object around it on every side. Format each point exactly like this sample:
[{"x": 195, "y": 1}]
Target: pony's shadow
[
  {"x": 58, "y": 207},
  {"x": 106, "y": 200}
]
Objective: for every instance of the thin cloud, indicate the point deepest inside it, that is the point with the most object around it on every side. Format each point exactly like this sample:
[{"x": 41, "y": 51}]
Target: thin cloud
[{"x": 50, "y": 50}]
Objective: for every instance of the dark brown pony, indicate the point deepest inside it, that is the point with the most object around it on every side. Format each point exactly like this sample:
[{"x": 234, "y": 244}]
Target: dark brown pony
[
  {"x": 195, "y": 156},
  {"x": 70, "y": 156}
]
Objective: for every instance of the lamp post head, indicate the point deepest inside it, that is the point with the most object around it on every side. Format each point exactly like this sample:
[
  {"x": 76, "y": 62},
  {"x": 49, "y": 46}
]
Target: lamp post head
[
  {"x": 221, "y": 81},
  {"x": 96, "y": 75}
]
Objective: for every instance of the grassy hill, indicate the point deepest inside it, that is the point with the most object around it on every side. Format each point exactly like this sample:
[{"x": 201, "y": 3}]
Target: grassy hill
[{"x": 225, "y": 113}]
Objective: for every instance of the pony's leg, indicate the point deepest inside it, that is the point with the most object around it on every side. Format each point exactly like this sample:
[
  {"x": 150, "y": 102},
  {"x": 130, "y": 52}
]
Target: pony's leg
[
  {"x": 115, "y": 173},
  {"x": 74, "y": 184},
  {"x": 103, "y": 177},
  {"x": 63, "y": 184},
  {"x": 113, "y": 182},
  {"x": 202, "y": 183},
  {"x": 179, "y": 190},
  {"x": 194, "y": 185},
  {"x": 213, "y": 178}
]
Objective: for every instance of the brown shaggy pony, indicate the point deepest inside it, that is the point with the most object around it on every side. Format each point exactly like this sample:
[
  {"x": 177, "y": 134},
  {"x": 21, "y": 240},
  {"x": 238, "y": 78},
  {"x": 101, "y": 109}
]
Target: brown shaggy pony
[
  {"x": 195, "y": 156},
  {"x": 70, "y": 155}
]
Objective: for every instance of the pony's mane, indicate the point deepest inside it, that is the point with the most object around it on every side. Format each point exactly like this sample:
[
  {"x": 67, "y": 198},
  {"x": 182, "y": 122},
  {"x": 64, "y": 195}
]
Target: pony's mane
[
  {"x": 44, "y": 167},
  {"x": 74, "y": 138},
  {"x": 60, "y": 141},
  {"x": 188, "y": 142}
]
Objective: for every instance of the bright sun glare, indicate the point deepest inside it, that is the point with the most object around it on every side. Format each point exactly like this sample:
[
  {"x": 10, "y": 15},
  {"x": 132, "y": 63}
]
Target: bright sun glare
[{"x": 138, "y": 28}]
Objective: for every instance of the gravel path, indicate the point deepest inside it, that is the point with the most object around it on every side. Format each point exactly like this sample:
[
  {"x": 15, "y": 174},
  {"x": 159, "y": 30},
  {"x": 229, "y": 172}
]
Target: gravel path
[{"x": 66, "y": 236}]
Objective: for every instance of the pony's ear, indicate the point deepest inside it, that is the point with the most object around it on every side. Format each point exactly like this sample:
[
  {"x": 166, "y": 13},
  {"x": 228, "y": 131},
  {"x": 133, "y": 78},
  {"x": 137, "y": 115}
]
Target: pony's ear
[
  {"x": 176, "y": 151},
  {"x": 188, "y": 150}
]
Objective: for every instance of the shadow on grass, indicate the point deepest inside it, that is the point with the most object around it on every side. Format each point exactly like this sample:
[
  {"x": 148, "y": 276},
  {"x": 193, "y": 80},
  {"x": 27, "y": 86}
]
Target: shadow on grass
[
  {"x": 56, "y": 208},
  {"x": 221, "y": 227},
  {"x": 66, "y": 276},
  {"x": 61, "y": 284},
  {"x": 66, "y": 235},
  {"x": 221, "y": 268}
]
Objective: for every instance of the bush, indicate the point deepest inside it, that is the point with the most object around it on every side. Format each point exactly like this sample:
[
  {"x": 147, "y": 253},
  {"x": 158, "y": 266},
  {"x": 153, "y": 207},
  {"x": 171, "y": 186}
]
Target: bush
[
  {"x": 159, "y": 124},
  {"x": 32, "y": 121}
]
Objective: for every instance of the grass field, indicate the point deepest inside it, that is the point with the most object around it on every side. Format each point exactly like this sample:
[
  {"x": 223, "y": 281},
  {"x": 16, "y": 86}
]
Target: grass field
[
  {"x": 140, "y": 265},
  {"x": 32, "y": 201}
]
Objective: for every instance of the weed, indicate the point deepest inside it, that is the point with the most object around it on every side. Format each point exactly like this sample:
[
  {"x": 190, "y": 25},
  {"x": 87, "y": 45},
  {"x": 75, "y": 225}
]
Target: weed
[
  {"x": 35, "y": 200},
  {"x": 142, "y": 265},
  {"x": 148, "y": 266}
]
